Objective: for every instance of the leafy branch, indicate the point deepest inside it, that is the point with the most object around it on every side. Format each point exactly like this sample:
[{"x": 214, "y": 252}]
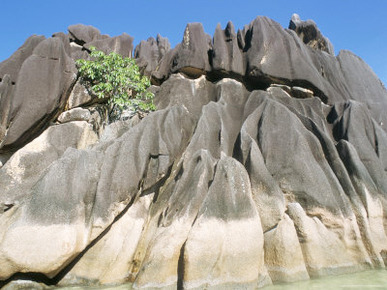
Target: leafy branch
[{"x": 117, "y": 79}]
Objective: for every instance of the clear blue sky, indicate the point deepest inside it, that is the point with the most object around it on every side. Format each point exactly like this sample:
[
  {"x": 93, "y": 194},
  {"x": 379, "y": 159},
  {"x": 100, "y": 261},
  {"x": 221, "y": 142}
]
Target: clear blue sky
[{"x": 359, "y": 26}]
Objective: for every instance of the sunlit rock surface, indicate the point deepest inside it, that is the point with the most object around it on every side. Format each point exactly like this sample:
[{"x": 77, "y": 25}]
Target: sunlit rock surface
[{"x": 264, "y": 163}]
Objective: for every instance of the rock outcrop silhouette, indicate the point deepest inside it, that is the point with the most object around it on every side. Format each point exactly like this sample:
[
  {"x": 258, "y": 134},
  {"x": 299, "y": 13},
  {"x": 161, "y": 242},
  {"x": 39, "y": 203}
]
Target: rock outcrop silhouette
[{"x": 265, "y": 162}]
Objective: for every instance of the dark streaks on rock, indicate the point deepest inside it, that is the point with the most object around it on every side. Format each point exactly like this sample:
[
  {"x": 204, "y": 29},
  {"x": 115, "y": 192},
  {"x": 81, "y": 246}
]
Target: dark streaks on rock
[
  {"x": 265, "y": 162},
  {"x": 310, "y": 34},
  {"x": 46, "y": 78}
]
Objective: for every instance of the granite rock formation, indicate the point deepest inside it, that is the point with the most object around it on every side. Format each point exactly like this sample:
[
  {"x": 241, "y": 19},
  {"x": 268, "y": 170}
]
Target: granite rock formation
[
  {"x": 310, "y": 34},
  {"x": 264, "y": 163},
  {"x": 43, "y": 83}
]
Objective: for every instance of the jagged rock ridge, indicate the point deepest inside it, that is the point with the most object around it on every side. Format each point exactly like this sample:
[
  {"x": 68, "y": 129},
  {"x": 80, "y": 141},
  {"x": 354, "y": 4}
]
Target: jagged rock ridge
[{"x": 265, "y": 162}]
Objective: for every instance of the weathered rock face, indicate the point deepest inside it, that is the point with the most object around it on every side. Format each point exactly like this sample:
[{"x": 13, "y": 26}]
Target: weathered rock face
[
  {"x": 43, "y": 84},
  {"x": 24, "y": 168},
  {"x": 265, "y": 162},
  {"x": 190, "y": 57},
  {"x": 149, "y": 53},
  {"x": 36, "y": 82},
  {"x": 310, "y": 34},
  {"x": 226, "y": 55},
  {"x": 264, "y": 53},
  {"x": 12, "y": 65},
  {"x": 82, "y": 34},
  {"x": 122, "y": 44}
]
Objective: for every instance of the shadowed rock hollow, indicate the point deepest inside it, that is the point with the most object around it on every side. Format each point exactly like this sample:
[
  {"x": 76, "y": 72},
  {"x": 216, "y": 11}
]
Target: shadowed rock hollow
[{"x": 264, "y": 163}]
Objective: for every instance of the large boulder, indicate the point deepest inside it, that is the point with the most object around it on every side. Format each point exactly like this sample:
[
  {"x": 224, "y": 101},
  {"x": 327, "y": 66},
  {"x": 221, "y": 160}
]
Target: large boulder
[
  {"x": 283, "y": 254},
  {"x": 193, "y": 93},
  {"x": 122, "y": 44},
  {"x": 310, "y": 34},
  {"x": 66, "y": 41},
  {"x": 6, "y": 92},
  {"x": 275, "y": 55},
  {"x": 110, "y": 255},
  {"x": 225, "y": 245},
  {"x": 43, "y": 86},
  {"x": 163, "y": 70},
  {"x": 227, "y": 57},
  {"x": 364, "y": 86},
  {"x": 80, "y": 95},
  {"x": 149, "y": 53},
  {"x": 263, "y": 53},
  {"x": 191, "y": 56},
  {"x": 28, "y": 164},
  {"x": 12, "y": 65},
  {"x": 82, "y": 34},
  {"x": 77, "y": 208},
  {"x": 76, "y": 114},
  {"x": 353, "y": 123}
]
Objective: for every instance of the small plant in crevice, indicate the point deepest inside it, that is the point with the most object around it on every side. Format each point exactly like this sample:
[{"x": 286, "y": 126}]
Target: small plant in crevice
[{"x": 118, "y": 80}]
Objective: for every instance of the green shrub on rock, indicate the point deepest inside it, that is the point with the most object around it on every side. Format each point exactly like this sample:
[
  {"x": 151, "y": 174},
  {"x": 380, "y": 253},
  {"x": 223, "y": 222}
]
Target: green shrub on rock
[{"x": 117, "y": 79}]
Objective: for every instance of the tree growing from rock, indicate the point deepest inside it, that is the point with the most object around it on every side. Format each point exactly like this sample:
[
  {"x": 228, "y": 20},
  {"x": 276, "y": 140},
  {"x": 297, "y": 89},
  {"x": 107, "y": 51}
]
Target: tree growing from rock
[{"x": 117, "y": 79}]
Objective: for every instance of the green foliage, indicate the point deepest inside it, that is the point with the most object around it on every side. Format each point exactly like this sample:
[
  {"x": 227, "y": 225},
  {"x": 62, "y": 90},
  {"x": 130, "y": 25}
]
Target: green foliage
[{"x": 117, "y": 79}]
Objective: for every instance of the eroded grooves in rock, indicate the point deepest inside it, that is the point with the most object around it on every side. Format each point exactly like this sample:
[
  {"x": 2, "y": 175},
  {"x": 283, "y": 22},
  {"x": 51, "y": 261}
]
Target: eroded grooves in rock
[
  {"x": 44, "y": 81},
  {"x": 264, "y": 163}
]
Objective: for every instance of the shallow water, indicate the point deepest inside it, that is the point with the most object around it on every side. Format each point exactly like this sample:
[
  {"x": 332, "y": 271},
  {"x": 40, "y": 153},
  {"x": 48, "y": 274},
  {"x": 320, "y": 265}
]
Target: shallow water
[{"x": 376, "y": 279}]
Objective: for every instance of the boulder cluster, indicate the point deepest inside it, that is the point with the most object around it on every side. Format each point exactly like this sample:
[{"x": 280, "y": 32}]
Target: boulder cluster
[{"x": 265, "y": 162}]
